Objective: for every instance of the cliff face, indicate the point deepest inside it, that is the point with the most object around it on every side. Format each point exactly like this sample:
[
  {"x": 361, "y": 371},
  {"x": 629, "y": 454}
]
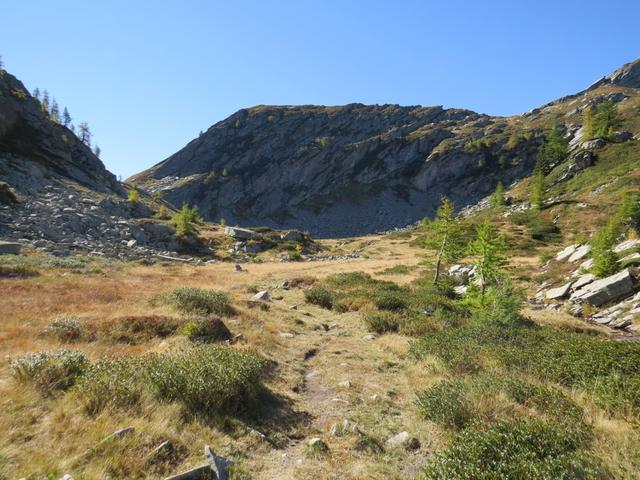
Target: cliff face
[
  {"x": 337, "y": 170},
  {"x": 34, "y": 150},
  {"x": 356, "y": 169}
]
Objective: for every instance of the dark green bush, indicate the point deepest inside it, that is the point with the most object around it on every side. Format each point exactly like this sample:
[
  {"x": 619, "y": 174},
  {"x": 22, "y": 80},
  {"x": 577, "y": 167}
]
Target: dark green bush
[
  {"x": 57, "y": 370},
  {"x": 382, "y": 322},
  {"x": 539, "y": 226},
  {"x": 319, "y": 295},
  {"x": 447, "y": 403},
  {"x": 531, "y": 450},
  {"x": 197, "y": 301},
  {"x": 389, "y": 301}
]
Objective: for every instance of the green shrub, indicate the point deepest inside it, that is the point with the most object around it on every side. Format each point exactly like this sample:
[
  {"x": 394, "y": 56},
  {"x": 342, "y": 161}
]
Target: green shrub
[
  {"x": 185, "y": 220},
  {"x": 210, "y": 328},
  {"x": 134, "y": 195},
  {"x": 197, "y": 301},
  {"x": 319, "y": 295},
  {"x": 382, "y": 322},
  {"x": 530, "y": 449},
  {"x": 389, "y": 301},
  {"x": 608, "y": 369},
  {"x": 64, "y": 329},
  {"x": 205, "y": 379},
  {"x": 447, "y": 403},
  {"x": 539, "y": 226},
  {"x": 51, "y": 370}
]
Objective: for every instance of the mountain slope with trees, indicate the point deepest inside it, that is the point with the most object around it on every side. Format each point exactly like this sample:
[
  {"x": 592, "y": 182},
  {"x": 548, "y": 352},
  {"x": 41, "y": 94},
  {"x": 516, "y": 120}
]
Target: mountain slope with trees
[{"x": 357, "y": 169}]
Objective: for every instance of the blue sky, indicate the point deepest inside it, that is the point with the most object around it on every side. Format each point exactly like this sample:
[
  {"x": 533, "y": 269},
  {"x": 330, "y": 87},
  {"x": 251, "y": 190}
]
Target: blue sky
[{"x": 148, "y": 76}]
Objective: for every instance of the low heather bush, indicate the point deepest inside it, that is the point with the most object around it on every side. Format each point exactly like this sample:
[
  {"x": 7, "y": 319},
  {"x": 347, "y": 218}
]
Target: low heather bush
[
  {"x": 64, "y": 329},
  {"x": 50, "y": 370}
]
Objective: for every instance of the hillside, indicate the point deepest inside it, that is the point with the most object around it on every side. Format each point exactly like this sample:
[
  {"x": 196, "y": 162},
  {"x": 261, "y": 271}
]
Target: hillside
[{"x": 355, "y": 169}]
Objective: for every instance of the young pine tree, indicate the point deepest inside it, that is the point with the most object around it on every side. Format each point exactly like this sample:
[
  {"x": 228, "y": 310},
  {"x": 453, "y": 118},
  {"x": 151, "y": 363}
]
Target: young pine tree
[
  {"x": 134, "y": 195},
  {"x": 553, "y": 151},
  {"x": 84, "y": 133},
  {"x": 537, "y": 189},
  {"x": 446, "y": 236},
  {"x": 497, "y": 199},
  {"x": 185, "y": 220},
  {"x": 45, "y": 102},
  {"x": 54, "y": 116},
  {"x": 66, "y": 118},
  {"x": 489, "y": 248},
  {"x": 36, "y": 94}
]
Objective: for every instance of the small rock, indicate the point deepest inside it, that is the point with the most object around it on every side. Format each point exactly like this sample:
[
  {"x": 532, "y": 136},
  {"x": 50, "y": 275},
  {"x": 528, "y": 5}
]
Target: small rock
[
  {"x": 344, "y": 384},
  {"x": 262, "y": 296},
  {"x": 371, "y": 336},
  {"x": 403, "y": 440},
  {"x": 581, "y": 252},
  {"x": 559, "y": 292}
]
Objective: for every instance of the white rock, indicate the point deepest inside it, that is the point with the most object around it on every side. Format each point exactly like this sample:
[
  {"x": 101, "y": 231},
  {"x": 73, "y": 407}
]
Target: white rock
[
  {"x": 581, "y": 252},
  {"x": 559, "y": 292},
  {"x": 621, "y": 247},
  {"x": 262, "y": 296},
  {"x": 566, "y": 253},
  {"x": 582, "y": 281}
]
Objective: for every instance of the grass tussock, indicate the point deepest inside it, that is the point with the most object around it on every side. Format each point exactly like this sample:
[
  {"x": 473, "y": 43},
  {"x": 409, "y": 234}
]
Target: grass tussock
[
  {"x": 196, "y": 301},
  {"x": 50, "y": 370},
  {"x": 205, "y": 379}
]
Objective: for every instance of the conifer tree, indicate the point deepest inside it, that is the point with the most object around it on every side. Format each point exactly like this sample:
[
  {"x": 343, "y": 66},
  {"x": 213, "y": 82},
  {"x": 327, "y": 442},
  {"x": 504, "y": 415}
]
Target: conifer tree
[
  {"x": 489, "y": 247},
  {"x": 45, "y": 102},
  {"x": 66, "y": 117},
  {"x": 36, "y": 94},
  {"x": 97, "y": 151},
  {"x": 497, "y": 199},
  {"x": 54, "y": 116},
  {"x": 85, "y": 133},
  {"x": 446, "y": 236},
  {"x": 537, "y": 189}
]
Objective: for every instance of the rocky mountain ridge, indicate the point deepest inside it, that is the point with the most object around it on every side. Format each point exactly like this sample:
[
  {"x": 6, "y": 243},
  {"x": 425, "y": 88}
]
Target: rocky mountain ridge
[{"x": 356, "y": 169}]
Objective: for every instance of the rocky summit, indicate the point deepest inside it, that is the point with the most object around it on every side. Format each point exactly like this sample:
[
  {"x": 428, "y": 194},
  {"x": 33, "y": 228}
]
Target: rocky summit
[{"x": 356, "y": 169}]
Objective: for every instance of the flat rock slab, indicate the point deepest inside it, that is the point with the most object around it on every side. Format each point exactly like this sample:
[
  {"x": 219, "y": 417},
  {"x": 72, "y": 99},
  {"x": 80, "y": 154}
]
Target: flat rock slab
[
  {"x": 566, "y": 253},
  {"x": 581, "y": 252},
  {"x": 582, "y": 281},
  {"x": 559, "y": 292},
  {"x": 10, "y": 248},
  {"x": 240, "y": 233},
  {"x": 621, "y": 247},
  {"x": 607, "y": 289}
]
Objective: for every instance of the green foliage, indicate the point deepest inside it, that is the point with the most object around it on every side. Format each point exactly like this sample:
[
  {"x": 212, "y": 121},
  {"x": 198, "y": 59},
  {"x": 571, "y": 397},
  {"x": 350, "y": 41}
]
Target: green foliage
[
  {"x": 50, "y": 370},
  {"x": 526, "y": 449},
  {"x": 389, "y": 301},
  {"x": 205, "y": 379},
  {"x": 489, "y": 247},
  {"x": 210, "y": 177},
  {"x": 601, "y": 122},
  {"x": 607, "y": 369},
  {"x": 206, "y": 328},
  {"x": 539, "y": 226},
  {"x": 319, "y": 295},
  {"x": 198, "y": 301},
  {"x": 64, "y": 329},
  {"x": 626, "y": 216},
  {"x": 447, "y": 403},
  {"x": 134, "y": 195},
  {"x": 605, "y": 260},
  {"x": 553, "y": 151},
  {"x": 225, "y": 172},
  {"x": 19, "y": 93},
  {"x": 538, "y": 185},
  {"x": 445, "y": 236},
  {"x": 382, "y": 322},
  {"x": 458, "y": 403},
  {"x": 163, "y": 213},
  {"x": 185, "y": 220},
  {"x": 497, "y": 199}
]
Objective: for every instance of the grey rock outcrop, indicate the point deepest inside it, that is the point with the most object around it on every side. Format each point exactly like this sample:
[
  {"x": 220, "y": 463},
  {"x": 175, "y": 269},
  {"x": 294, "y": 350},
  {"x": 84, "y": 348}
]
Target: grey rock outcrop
[{"x": 607, "y": 290}]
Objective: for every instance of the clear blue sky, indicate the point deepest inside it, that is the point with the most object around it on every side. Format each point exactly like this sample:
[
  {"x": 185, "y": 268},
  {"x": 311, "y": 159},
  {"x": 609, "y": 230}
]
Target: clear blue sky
[{"x": 148, "y": 76}]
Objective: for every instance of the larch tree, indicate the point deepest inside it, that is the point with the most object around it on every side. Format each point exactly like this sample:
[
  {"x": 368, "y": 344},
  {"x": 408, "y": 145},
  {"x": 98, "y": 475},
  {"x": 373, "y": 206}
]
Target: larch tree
[
  {"x": 489, "y": 247},
  {"x": 446, "y": 237}
]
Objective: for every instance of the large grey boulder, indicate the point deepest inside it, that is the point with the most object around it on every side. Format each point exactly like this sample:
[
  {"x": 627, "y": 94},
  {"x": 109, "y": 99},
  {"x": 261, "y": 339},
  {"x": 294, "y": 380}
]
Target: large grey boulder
[
  {"x": 292, "y": 236},
  {"x": 607, "y": 290},
  {"x": 240, "y": 233},
  {"x": 10, "y": 248}
]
